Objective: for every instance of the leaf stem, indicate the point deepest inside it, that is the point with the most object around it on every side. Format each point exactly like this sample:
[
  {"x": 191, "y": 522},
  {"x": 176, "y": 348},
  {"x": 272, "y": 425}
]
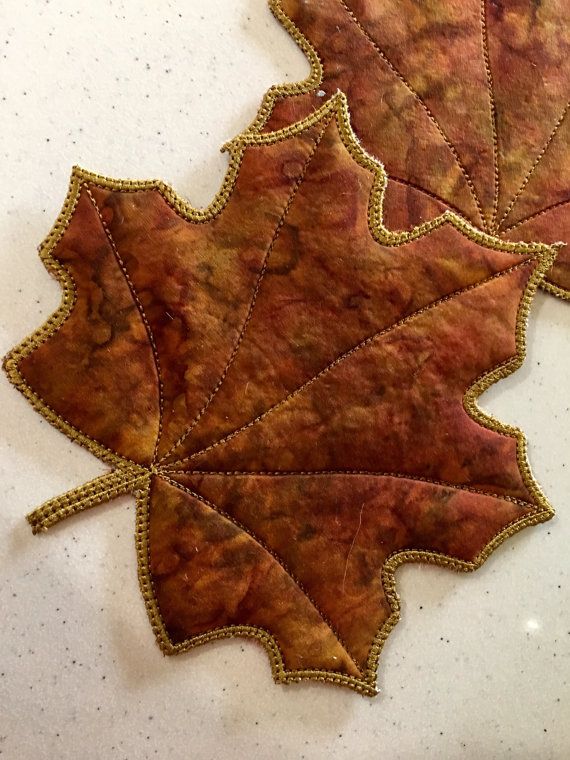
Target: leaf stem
[{"x": 102, "y": 489}]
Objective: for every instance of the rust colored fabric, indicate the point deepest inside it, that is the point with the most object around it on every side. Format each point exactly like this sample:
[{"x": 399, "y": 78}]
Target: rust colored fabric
[
  {"x": 466, "y": 103},
  {"x": 289, "y": 389}
]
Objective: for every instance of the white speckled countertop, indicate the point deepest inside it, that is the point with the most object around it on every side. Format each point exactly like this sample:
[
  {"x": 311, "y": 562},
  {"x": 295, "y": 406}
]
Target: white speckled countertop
[{"x": 479, "y": 666}]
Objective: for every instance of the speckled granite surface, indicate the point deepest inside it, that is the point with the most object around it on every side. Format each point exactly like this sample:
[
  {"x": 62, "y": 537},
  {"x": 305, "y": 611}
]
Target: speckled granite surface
[{"x": 80, "y": 673}]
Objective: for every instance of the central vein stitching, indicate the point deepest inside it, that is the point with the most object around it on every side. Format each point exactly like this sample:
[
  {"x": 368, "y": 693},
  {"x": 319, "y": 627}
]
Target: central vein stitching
[
  {"x": 140, "y": 308},
  {"x": 345, "y": 355},
  {"x": 423, "y": 104},
  {"x": 260, "y": 278},
  {"x": 275, "y": 556},
  {"x": 493, "y": 112}
]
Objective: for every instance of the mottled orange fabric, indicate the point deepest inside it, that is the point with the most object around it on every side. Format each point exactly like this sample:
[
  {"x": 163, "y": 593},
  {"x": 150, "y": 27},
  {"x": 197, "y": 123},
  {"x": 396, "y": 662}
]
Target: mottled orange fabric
[
  {"x": 293, "y": 383},
  {"x": 466, "y": 103}
]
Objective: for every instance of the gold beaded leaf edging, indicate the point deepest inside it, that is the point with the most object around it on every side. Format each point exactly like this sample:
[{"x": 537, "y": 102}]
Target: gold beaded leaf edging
[{"x": 129, "y": 477}]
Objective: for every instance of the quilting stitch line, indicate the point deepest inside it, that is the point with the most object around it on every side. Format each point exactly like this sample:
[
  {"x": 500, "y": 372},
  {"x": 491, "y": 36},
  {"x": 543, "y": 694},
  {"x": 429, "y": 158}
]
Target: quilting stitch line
[
  {"x": 424, "y": 105},
  {"x": 53, "y": 323},
  {"x": 140, "y": 309},
  {"x": 261, "y": 635},
  {"x": 536, "y": 214},
  {"x": 367, "y": 685},
  {"x": 246, "y": 529},
  {"x": 346, "y": 354},
  {"x": 423, "y": 191},
  {"x": 493, "y": 113},
  {"x": 536, "y": 162},
  {"x": 364, "y": 473},
  {"x": 185, "y": 211},
  {"x": 256, "y": 290}
]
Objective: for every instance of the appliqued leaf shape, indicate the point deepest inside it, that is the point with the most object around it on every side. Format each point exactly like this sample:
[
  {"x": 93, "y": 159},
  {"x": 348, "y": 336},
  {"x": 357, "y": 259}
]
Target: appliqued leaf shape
[
  {"x": 288, "y": 388},
  {"x": 466, "y": 104}
]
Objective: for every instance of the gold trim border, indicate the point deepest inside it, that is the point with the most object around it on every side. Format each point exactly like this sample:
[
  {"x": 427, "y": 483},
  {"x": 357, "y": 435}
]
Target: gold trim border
[
  {"x": 556, "y": 290},
  {"x": 135, "y": 479}
]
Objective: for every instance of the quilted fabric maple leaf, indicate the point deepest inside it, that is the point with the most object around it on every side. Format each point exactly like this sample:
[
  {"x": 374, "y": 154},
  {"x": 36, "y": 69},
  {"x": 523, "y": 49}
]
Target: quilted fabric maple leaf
[
  {"x": 466, "y": 104},
  {"x": 289, "y": 390}
]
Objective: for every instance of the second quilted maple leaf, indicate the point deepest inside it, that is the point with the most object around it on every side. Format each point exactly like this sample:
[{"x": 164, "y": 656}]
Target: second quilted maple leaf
[
  {"x": 466, "y": 103},
  {"x": 289, "y": 390}
]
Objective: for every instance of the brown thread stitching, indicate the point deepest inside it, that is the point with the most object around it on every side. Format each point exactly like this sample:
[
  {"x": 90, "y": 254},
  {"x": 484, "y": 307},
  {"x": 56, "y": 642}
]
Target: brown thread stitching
[
  {"x": 536, "y": 162},
  {"x": 315, "y": 78},
  {"x": 493, "y": 110},
  {"x": 246, "y": 529},
  {"x": 423, "y": 191},
  {"x": 253, "y": 301},
  {"x": 427, "y": 110},
  {"x": 530, "y": 217},
  {"x": 264, "y": 637},
  {"x": 349, "y": 352},
  {"x": 364, "y": 473},
  {"x": 368, "y": 684},
  {"x": 141, "y": 311},
  {"x": 380, "y": 233}
]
